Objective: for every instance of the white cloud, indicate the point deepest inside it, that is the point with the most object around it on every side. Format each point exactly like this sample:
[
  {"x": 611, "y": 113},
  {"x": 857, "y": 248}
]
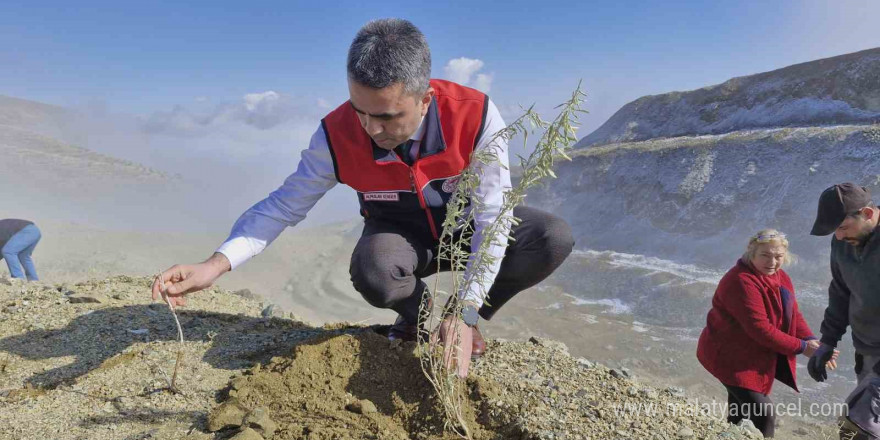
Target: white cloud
[
  {"x": 462, "y": 69},
  {"x": 252, "y": 100},
  {"x": 258, "y": 131},
  {"x": 324, "y": 104},
  {"x": 260, "y": 111},
  {"x": 483, "y": 82},
  {"x": 465, "y": 71}
]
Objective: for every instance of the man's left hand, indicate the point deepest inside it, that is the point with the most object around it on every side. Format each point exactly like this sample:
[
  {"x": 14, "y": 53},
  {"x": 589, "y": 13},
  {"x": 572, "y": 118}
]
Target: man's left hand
[
  {"x": 458, "y": 341},
  {"x": 825, "y": 356}
]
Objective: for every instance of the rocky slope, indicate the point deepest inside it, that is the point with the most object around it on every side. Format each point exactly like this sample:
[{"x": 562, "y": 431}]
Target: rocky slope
[
  {"x": 662, "y": 178},
  {"x": 698, "y": 199},
  {"x": 91, "y": 361}
]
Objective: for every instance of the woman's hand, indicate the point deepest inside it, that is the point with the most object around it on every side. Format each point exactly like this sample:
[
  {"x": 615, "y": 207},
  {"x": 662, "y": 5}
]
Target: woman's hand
[{"x": 811, "y": 347}]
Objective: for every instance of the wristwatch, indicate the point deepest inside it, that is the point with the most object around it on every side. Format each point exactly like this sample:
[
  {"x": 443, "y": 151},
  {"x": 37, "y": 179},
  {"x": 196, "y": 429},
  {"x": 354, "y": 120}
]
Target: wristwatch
[{"x": 470, "y": 314}]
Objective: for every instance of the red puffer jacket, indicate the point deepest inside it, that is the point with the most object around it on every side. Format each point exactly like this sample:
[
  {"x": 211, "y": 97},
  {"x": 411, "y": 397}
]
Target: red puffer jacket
[{"x": 745, "y": 335}]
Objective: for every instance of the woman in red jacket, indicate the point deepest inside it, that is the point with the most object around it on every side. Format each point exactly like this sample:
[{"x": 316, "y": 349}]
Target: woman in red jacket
[{"x": 754, "y": 331}]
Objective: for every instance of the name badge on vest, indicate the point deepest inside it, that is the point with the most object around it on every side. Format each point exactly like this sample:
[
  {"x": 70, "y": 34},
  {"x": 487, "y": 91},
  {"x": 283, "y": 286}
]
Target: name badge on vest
[{"x": 381, "y": 197}]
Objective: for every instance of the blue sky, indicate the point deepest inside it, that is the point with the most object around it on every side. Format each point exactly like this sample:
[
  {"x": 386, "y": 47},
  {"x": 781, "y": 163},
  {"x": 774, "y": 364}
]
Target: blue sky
[
  {"x": 144, "y": 57},
  {"x": 226, "y": 94}
]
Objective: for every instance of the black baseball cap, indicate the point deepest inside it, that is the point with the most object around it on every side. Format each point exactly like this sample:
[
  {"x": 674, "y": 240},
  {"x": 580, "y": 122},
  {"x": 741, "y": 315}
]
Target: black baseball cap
[{"x": 836, "y": 203}]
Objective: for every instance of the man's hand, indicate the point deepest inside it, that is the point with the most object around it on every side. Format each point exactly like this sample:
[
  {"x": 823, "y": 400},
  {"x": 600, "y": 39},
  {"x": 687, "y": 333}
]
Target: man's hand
[
  {"x": 458, "y": 341},
  {"x": 824, "y": 356},
  {"x": 182, "y": 279}
]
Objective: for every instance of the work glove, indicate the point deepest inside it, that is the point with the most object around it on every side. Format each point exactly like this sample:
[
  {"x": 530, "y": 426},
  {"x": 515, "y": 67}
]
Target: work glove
[{"x": 816, "y": 365}]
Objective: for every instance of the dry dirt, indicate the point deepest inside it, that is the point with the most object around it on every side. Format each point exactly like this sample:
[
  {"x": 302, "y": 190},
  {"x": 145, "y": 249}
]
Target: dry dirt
[{"x": 90, "y": 360}]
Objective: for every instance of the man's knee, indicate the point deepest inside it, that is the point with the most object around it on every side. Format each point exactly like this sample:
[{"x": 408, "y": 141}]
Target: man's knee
[
  {"x": 379, "y": 281},
  {"x": 556, "y": 238}
]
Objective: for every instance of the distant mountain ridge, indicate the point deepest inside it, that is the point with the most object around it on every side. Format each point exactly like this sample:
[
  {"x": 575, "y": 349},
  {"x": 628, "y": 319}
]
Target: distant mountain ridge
[
  {"x": 43, "y": 177},
  {"x": 833, "y": 91},
  {"x": 18, "y": 112},
  {"x": 28, "y": 150},
  {"x": 662, "y": 179}
]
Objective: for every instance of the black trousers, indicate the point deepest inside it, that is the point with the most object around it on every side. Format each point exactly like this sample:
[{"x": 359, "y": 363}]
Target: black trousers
[
  {"x": 752, "y": 405},
  {"x": 388, "y": 263}
]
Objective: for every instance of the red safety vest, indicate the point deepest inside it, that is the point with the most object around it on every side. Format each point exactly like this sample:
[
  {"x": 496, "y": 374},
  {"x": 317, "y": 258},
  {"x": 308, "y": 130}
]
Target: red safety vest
[{"x": 389, "y": 189}]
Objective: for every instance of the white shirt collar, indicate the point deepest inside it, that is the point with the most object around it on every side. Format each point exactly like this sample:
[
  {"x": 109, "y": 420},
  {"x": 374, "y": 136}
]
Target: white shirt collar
[{"x": 420, "y": 132}]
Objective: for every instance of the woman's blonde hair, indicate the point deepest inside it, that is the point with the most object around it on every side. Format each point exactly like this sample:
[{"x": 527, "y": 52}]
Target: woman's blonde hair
[{"x": 768, "y": 236}]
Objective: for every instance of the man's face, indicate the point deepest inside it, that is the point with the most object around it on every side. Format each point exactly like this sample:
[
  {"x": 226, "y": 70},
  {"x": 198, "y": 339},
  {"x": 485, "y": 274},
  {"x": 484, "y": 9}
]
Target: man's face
[
  {"x": 855, "y": 230},
  {"x": 389, "y": 115}
]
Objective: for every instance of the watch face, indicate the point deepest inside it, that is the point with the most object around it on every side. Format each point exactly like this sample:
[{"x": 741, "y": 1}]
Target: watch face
[{"x": 470, "y": 315}]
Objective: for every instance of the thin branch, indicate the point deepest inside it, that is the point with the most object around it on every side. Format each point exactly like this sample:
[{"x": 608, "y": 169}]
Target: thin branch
[{"x": 172, "y": 383}]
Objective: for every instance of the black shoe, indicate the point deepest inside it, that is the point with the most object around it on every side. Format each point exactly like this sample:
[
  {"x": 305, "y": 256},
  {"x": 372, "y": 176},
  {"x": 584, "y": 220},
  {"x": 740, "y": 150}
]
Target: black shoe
[{"x": 403, "y": 330}]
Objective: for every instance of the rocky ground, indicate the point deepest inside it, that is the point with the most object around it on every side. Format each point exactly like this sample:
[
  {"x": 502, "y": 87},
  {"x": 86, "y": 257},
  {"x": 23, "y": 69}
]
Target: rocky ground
[{"x": 93, "y": 360}]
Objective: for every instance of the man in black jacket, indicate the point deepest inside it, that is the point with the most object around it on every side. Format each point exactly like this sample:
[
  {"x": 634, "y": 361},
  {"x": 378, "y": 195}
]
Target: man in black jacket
[{"x": 847, "y": 211}]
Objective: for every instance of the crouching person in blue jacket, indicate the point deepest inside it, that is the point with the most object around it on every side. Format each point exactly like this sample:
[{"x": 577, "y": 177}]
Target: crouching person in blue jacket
[{"x": 18, "y": 239}]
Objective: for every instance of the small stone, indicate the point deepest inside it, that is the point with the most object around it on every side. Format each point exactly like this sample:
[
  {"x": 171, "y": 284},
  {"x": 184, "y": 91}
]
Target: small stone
[
  {"x": 584, "y": 363},
  {"x": 368, "y": 407},
  {"x": 273, "y": 311},
  {"x": 229, "y": 414},
  {"x": 362, "y": 407},
  {"x": 675, "y": 391},
  {"x": 238, "y": 383},
  {"x": 548, "y": 343},
  {"x": 247, "y": 434},
  {"x": 748, "y": 426},
  {"x": 259, "y": 420},
  {"x": 801, "y": 431},
  {"x": 87, "y": 299},
  {"x": 685, "y": 432},
  {"x": 246, "y": 293}
]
